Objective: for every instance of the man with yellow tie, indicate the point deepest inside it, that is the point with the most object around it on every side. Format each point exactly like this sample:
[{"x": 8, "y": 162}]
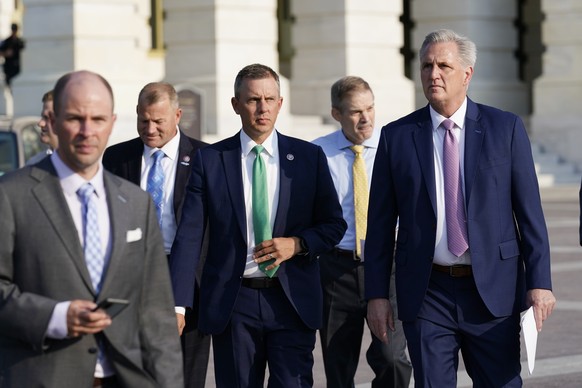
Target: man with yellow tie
[{"x": 350, "y": 154}]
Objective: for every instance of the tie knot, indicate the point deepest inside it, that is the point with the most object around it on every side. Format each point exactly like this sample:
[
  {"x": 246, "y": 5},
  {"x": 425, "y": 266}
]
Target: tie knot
[
  {"x": 158, "y": 155},
  {"x": 448, "y": 124},
  {"x": 357, "y": 149},
  {"x": 258, "y": 149},
  {"x": 86, "y": 191}
]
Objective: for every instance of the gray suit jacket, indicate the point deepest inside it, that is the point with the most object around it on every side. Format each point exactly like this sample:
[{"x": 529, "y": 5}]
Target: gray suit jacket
[{"x": 41, "y": 263}]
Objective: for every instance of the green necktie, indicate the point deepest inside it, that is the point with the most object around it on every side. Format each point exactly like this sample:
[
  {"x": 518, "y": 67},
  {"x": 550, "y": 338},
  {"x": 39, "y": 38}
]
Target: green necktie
[{"x": 261, "y": 224}]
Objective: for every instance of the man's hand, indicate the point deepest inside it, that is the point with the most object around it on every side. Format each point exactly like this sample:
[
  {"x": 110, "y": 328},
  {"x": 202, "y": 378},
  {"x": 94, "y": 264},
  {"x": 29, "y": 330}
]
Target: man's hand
[
  {"x": 543, "y": 302},
  {"x": 380, "y": 318},
  {"x": 181, "y": 319},
  {"x": 82, "y": 320},
  {"x": 280, "y": 249}
]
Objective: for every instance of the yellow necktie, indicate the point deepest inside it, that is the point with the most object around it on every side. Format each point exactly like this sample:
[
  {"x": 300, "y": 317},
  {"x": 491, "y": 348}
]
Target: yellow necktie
[{"x": 360, "y": 195}]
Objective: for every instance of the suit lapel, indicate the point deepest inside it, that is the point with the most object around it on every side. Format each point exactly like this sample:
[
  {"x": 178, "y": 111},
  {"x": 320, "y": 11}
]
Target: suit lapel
[
  {"x": 474, "y": 134},
  {"x": 285, "y": 177},
  {"x": 117, "y": 203},
  {"x": 133, "y": 173},
  {"x": 183, "y": 169},
  {"x": 52, "y": 200},
  {"x": 425, "y": 151},
  {"x": 231, "y": 159}
]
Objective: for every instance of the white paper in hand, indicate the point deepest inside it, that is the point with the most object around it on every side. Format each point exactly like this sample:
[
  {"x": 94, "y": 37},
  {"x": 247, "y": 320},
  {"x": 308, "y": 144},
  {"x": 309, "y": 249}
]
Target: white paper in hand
[{"x": 530, "y": 337}]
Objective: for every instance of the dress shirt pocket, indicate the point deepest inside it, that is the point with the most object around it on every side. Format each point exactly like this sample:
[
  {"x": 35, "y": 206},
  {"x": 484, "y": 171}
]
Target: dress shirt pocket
[{"x": 509, "y": 249}]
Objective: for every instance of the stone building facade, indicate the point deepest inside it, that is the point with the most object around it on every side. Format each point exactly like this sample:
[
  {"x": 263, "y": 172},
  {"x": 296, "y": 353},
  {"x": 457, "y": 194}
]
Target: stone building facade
[{"x": 529, "y": 55}]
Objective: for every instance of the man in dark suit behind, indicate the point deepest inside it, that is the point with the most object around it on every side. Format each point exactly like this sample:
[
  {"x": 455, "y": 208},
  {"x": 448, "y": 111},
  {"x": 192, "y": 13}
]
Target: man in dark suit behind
[
  {"x": 260, "y": 297},
  {"x": 158, "y": 117},
  {"x": 472, "y": 249},
  {"x": 73, "y": 235}
]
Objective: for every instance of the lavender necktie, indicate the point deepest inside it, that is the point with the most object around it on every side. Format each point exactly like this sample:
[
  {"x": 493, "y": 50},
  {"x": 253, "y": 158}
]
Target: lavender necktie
[{"x": 454, "y": 203}]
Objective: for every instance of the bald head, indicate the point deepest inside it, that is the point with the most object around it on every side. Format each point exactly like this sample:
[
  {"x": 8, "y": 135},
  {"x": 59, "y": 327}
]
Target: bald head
[
  {"x": 83, "y": 120},
  {"x": 78, "y": 77}
]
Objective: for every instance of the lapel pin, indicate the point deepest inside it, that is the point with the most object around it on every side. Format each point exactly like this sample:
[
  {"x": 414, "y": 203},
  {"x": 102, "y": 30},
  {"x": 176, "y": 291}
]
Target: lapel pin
[
  {"x": 290, "y": 156},
  {"x": 185, "y": 160}
]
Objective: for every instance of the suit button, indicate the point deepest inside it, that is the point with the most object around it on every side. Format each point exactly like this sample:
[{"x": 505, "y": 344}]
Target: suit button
[{"x": 92, "y": 350}]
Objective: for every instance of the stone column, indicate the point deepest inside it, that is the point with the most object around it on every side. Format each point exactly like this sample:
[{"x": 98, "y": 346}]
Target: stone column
[
  {"x": 109, "y": 37},
  {"x": 557, "y": 118},
  {"x": 209, "y": 41},
  {"x": 334, "y": 38},
  {"x": 491, "y": 25}
]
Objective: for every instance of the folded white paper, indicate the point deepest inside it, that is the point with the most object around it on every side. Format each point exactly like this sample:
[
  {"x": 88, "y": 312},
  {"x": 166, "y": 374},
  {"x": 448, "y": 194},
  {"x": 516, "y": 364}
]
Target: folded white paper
[{"x": 530, "y": 337}]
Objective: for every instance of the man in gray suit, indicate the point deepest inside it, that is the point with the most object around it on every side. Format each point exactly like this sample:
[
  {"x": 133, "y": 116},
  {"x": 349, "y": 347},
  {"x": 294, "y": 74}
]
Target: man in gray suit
[{"x": 61, "y": 254}]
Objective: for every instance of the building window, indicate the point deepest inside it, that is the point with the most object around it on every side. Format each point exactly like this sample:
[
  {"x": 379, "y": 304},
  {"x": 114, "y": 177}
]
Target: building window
[
  {"x": 284, "y": 45},
  {"x": 157, "y": 24}
]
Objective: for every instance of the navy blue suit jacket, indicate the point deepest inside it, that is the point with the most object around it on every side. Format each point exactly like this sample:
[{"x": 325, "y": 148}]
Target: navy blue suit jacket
[
  {"x": 124, "y": 160},
  {"x": 508, "y": 238},
  {"x": 308, "y": 208}
]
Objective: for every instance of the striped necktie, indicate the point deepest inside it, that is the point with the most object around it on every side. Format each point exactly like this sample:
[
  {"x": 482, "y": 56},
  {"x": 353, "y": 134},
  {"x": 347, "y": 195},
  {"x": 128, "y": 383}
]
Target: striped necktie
[{"x": 454, "y": 203}]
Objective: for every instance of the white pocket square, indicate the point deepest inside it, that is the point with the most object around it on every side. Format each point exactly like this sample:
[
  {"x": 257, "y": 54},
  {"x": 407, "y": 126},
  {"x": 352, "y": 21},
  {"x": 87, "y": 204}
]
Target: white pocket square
[{"x": 133, "y": 235}]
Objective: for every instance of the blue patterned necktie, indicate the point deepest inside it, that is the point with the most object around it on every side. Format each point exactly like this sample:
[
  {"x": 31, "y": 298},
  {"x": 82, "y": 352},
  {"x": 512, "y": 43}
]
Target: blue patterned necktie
[
  {"x": 92, "y": 240},
  {"x": 155, "y": 184},
  {"x": 261, "y": 224}
]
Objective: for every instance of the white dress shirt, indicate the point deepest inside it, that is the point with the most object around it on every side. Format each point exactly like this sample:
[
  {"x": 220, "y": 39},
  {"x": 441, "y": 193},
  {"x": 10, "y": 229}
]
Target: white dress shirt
[
  {"x": 70, "y": 183},
  {"x": 442, "y": 255},
  {"x": 270, "y": 156},
  {"x": 169, "y": 164},
  {"x": 340, "y": 159}
]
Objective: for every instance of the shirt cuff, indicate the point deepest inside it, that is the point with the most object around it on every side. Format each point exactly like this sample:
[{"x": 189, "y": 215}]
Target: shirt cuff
[
  {"x": 180, "y": 310},
  {"x": 57, "y": 327}
]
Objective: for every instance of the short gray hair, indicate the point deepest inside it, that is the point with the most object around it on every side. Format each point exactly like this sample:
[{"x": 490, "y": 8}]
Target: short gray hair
[
  {"x": 467, "y": 49},
  {"x": 346, "y": 85}
]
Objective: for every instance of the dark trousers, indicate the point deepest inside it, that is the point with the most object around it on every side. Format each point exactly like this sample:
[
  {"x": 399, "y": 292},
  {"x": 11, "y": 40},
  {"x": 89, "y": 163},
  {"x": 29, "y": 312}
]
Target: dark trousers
[
  {"x": 196, "y": 350},
  {"x": 344, "y": 316},
  {"x": 264, "y": 329},
  {"x": 453, "y": 317}
]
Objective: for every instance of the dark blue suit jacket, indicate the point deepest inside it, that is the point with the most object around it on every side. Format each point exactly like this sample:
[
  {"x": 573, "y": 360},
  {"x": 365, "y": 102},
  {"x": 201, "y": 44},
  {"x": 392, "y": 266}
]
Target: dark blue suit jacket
[
  {"x": 508, "y": 238},
  {"x": 308, "y": 208},
  {"x": 124, "y": 160}
]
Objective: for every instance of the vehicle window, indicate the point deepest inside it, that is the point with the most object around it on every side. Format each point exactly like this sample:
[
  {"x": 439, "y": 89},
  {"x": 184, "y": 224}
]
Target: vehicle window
[{"x": 8, "y": 152}]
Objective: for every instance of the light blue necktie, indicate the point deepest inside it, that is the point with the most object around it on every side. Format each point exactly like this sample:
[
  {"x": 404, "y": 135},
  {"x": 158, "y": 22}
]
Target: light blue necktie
[
  {"x": 92, "y": 247},
  {"x": 155, "y": 184},
  {"x": 261, "y": 224}
]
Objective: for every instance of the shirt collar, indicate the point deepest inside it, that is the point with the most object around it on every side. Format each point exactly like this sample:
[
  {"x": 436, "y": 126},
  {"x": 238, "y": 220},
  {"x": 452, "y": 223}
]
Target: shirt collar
[
  {"x": 458, "y": 117},
  {"x": 270, "y": 144},
  {"x": 71, "y": 181},
  {"x": 170, "y": 149}
]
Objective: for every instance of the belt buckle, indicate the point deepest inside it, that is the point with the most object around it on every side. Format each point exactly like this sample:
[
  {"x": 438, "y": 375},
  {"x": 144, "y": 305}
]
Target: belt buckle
[{"x": 452, "y": 269}]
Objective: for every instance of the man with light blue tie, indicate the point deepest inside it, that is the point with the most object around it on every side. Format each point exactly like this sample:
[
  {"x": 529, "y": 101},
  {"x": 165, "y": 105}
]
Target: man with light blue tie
[
  {"x": 269, "y": 208},
  {"x": 159, "y": 161},
  {"x": 472, "y": 249},
  {"x": 342, "y": 269},
  {"x": 96, "y": 238}
]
